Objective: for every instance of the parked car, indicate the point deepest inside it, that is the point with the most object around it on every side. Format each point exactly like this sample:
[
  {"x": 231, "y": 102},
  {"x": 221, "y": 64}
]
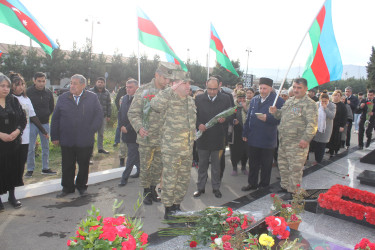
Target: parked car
[{"x": 63, "y": 89}]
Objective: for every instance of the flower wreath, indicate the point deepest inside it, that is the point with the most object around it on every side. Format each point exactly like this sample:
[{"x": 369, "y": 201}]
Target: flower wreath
[{"x": 332, "y": 200}]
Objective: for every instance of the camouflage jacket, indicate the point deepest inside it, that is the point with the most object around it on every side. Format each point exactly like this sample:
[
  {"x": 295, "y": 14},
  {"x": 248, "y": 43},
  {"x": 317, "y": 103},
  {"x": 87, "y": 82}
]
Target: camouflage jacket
[
  {"x": 299, "y": 119},
  {"x": 178, "y": 128},
  {"x": 135, "y": 115}
]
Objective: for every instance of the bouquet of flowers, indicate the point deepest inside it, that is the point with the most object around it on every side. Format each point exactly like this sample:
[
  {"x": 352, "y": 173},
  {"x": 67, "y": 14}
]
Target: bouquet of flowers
[
  {"x": 206, "y": 225},
  {"x": 365, "y": 244},
  {"x": 118, "y": 232},
  {"x": 369, "y": 105},
  {"x": 290, "y": 211},
  {"x": 225, "y": 114},
  {"x": 243, "y": 240}
]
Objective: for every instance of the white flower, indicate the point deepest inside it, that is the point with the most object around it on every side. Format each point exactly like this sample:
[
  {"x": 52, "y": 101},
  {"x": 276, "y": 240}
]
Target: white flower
[
  {"x": 218, "y": 241},
  {"x": 273, "y": 207},
  {"x": 289, "y": 209}
]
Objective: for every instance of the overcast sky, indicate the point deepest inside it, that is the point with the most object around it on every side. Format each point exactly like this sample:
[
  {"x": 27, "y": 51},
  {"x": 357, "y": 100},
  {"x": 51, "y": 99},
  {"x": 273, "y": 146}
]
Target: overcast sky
[{"x": 271, "y": 29}]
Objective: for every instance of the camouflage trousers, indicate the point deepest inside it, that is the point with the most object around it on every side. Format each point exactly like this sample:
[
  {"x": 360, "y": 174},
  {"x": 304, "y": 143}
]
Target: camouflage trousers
[
  {"x": 291, "y": 160},
  {"x": 150, "y": 165},
  {"x": 123, "y": 151},
  {"x": 176, "y": 178}
]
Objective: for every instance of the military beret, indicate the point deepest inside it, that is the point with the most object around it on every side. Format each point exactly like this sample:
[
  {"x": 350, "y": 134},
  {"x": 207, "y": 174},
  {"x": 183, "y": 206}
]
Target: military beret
[
  {"x": 265, "y": 80},
  {"x": 166, "y": 69}
]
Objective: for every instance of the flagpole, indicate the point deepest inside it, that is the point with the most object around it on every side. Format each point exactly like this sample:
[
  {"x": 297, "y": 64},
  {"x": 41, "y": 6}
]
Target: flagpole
[
  {"x": 139, "y": 59},
  {"x": 208, "y": 55},
  {"x": 294, "y": 57}
]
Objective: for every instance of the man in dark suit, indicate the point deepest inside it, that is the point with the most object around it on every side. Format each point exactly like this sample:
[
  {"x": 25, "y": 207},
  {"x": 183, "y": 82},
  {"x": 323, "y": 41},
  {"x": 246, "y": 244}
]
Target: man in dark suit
[
  {"x": 353, "y": 102},
  {"x": 129, "y": 136},
  {"x": 212, "y": 143},
  {"x": 77, "y": 117}
]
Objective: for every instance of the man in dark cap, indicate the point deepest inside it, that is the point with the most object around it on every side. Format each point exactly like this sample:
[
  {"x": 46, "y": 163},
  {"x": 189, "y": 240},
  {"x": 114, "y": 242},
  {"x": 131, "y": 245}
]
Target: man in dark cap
[
  {"x": 260, "y": 132},
  {"x": 149, "y": 133},
  {"x": 312, "y": 95}
]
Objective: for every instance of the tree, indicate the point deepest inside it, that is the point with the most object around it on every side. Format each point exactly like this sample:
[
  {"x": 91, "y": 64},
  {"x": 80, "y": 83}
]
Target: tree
[
  {"x": 198, "y": 73},
  {"x": 117, "y": 68},
  {"x": 56, "y": 66},
  {"x": 371, "y": 69},
  {"x": 14, "y": 61},
  {"x": 228, "y": 78}
]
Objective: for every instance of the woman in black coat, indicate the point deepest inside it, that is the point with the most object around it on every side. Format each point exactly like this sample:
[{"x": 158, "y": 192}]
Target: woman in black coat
[
  {"x": 12, "y": 123},
  {"x": 339, "y": 123}
]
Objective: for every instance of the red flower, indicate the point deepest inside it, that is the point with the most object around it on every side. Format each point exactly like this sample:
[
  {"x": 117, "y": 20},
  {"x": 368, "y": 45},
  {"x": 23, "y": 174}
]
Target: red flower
[
  {"x": 123, "y": 231},
  {"x": 227, "y": 246},
  {"x": 230, "y": 210},
  {"x": 94, "y": 227},
  {"x": 98, "y": 218},
  {"x": 245, "y": 223},
  {"x": 298, "y": 185},
  {"x": 226, "y": 238},
  {"x": 130, "y": 244},
  {"x": 68, "y": 243},
  {"x": 369, "y": 103},
  {"x": 294, "y": 217},
  {"x": 283, "y": 205},
  {"x": 81, "y": 237},
  {"x": 371, "y": 246},
  {"x": 193, "y": 244},
  {"x": 272, "y": 195},
  {"x": 144, "y": 238},
  {"x": 214, "y": 237}
]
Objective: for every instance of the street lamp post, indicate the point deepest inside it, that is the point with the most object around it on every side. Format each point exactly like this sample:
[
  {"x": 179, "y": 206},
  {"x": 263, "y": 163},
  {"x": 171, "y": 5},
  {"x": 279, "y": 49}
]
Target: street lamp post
[
  {"x": 247, "y": 64},
  {"x": 93, "y": 20}
]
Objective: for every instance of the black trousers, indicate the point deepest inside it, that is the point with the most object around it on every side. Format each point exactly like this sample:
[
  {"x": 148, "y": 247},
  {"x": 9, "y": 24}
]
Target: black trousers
[
  {"x": 132, "y": 159},
  {"x": 349, "y": 132},
  {"x": 361, "y": 131},
  {"x": 260, "y": 159},
  {"x": 70, "y": 156},
  {"x": 319, "y": 150}
]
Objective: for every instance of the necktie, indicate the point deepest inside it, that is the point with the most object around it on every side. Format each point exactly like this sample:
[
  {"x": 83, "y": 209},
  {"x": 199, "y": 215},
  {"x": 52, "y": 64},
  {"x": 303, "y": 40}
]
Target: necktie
[{"x": 76, "y": 99}]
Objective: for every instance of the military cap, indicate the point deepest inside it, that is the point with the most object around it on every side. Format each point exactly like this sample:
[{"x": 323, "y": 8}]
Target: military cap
[
  {"x": 181, "y": 75},
  {"x": 265, "y": 80},
  {"x": 241, "y": 93},
  {"x": 166, "y": 69}
]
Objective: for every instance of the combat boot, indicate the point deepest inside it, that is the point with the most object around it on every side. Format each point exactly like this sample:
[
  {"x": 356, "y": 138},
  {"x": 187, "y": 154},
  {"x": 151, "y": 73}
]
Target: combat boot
[
  {"x": 147, "y": 200},
  {"x": 154, "y": 194},
  {"x": 176, "y": 208},
  {"x": 168, "y": 213}
]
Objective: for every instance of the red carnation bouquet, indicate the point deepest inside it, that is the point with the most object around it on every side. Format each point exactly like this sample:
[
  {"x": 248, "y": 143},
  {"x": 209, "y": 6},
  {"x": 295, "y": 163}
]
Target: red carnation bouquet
[
  {"x": 118, "y": 232},
  {"x": 365, "y": 244}
]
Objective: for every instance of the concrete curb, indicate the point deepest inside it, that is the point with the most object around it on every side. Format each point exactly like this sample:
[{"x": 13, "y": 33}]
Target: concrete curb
[{"x": 54, "y": 185}]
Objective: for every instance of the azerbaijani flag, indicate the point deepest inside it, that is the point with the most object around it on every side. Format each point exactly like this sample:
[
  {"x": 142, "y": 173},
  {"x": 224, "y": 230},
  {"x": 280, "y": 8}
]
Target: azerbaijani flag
[
  {"x": 1, "y": 53},
  {"x": 324, "y": 63},
  {"x": 15, "y": 15},
  {"x": 221, "y": 55},
  {"x": 150, "y": 36}
]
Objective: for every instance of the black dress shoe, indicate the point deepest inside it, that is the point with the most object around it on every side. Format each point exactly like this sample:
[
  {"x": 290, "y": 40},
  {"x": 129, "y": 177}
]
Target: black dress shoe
[
  {"x": 248, "y": 188},
  {"x": 81, "y": 191},
  {"x": 136, "y": 175},
  {"x": 368, "y": 144},
  {"x": 123, "y": 183},
  {"x": 102, "y": 151},
  {"x": 63, "y": 194},
  {"x": 198, "y": 193},
  {"x": 217, "y": 193},
  {"x": 15, "y": 203}
]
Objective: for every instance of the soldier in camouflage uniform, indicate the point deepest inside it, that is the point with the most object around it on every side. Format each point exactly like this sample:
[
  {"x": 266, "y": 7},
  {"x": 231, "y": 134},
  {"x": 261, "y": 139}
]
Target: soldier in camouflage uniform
[
  {"x": 149, "y": 131},
  {"x": 298, "y": 125},
  {"x": 177, "y": 139}
]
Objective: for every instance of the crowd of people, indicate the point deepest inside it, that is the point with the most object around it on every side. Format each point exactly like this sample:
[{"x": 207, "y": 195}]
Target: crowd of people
[{"x": 157, "y": 126}]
